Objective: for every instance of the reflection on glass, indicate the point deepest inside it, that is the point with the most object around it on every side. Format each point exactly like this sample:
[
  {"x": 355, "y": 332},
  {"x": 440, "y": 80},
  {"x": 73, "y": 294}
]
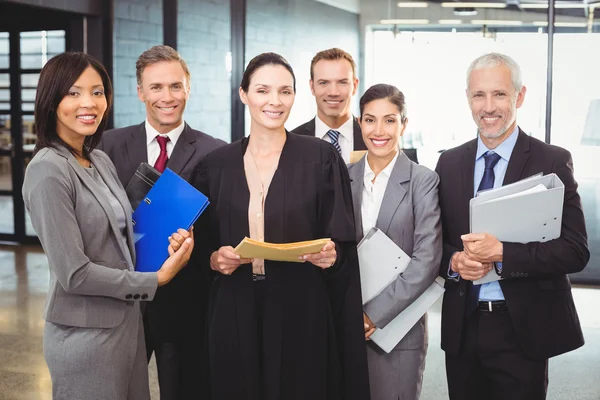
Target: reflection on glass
[
  {"x": 29, "y": 136},
  {"x": 29, "y": 81},
  {"x": 4, "y": 50},
  {"x": 576, "y": 125},
  {"x": 5, "y": 174},
  {"x": 417, "y": 63},
  {"x": 28, "y": 94},
  {"x": 39, "y": 46},
  {"x": 5, "y": 138},
  {"x": 7, "y": 223}
]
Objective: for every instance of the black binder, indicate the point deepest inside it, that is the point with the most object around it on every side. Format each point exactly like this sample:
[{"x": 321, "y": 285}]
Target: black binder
[{"x": 140, "y": 184}]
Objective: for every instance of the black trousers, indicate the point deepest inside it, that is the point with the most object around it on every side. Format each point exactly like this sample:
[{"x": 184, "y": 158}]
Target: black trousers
[
  {"x": 167, "y": 361},
  {"x": 491, "y": 365}
]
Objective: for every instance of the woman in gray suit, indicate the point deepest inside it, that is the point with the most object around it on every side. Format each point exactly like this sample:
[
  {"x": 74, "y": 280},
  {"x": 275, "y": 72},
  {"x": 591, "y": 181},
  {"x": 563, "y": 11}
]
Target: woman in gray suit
[
  {"x": 93, "y": 337},
  {"x": 400, "y": 198}
]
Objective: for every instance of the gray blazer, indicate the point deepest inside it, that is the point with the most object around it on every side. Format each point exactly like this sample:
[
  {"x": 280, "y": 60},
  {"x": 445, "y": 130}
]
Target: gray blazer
[
  {"x": 410, "y": 216},
  {"x": 92, "y": 277}
]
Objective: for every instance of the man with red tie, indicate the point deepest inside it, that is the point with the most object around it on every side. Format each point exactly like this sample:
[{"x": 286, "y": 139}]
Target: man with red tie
[{"x": 174, "y": 320}]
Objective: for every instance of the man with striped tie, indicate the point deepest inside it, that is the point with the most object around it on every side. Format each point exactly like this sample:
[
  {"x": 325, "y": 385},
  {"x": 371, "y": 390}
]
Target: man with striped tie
[
  {"x": 333, "y": 82},
  {"x": 498, "y": 336}
]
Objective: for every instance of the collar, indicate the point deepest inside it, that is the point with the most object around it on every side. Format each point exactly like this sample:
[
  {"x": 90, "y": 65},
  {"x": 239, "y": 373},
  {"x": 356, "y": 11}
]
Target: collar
[
  {"x": 346, "y": 130},
  {"x": 387, "y": 171},
  {"x": 505, "y": 148},
  {"x": 173, "y": 135}
]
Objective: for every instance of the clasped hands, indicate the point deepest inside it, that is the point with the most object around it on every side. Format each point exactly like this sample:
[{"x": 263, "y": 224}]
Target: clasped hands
[
  {"x": 480, "y": 252},
  {"x": 226, "y": 261}
]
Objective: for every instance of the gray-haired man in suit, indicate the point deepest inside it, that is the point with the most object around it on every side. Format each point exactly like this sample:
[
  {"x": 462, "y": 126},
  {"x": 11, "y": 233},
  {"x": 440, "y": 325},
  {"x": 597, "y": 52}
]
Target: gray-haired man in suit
[{"x": 165, "y": 140}]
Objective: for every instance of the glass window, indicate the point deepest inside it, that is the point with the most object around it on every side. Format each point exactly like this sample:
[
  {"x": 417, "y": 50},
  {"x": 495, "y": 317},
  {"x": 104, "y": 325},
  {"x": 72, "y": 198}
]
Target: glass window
[
  {"x": 7, "y": 222},
  {"x": 39, "y": 46},
  {"x": 29, "y": 81},
  {"x": 576, "y": 125},
  {"x": 4, "y": 50},
  {"x": 5, "y": 137}
]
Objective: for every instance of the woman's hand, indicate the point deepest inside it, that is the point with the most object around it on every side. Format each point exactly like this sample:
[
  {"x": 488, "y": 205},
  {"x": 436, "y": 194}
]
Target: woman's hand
[
  {"x": 180, "y": 249},
  {"x": 323, "y": 259},
  {"x": 369, "y": 326},
  {"x": 226, "y": 261}
]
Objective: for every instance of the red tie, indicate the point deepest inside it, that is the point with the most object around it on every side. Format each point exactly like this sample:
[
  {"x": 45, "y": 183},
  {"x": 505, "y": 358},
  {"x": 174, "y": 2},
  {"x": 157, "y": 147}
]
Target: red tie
[{"x": 163, "y": 157}]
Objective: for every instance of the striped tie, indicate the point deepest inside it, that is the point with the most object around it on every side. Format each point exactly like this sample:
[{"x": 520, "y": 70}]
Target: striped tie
[{"x": 335, "y": 136}]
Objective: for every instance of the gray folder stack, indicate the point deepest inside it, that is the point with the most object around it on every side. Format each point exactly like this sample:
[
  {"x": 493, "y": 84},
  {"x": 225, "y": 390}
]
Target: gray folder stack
[{"x": 526, "y": 211}]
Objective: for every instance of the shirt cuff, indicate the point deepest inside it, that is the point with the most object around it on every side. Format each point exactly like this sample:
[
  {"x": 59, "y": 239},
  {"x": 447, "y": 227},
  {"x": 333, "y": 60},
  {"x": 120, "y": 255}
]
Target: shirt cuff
[{"x": 451, "y": 274}]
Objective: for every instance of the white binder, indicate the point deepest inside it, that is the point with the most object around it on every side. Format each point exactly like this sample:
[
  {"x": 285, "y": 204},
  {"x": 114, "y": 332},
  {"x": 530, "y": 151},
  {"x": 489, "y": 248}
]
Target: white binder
[
  {"x": 521, "y": 212},
  {"x": 389, "y": 337},
  {"x": 380, "y": 261}
]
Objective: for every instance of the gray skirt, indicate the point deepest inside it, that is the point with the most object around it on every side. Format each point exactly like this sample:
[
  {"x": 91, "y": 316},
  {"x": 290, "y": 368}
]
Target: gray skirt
[{"x": 96, "y": 363}]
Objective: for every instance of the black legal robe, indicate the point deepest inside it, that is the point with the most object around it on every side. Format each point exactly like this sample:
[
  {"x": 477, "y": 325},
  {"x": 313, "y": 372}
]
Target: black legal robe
[{"x": 313, "y": 341}]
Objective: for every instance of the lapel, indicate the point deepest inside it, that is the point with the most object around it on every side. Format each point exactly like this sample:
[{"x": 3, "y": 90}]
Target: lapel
[
  {"x": 394, "y": 192},
  {"x": 310, "y": 128},
  {"x": 468, "y": 170},
  {"x": 183, "y": 151},
  {"x": 518, "y": 159},
  {"x": 97, "y": 192},
  {"x": 359, "y": 143},
  {"x": 135, "y": 146},
  {"x": 357, "y": 173}
]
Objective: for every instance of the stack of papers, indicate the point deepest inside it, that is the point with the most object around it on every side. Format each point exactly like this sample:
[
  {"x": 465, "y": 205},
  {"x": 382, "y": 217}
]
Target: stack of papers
[{"x": 289, "y": 252}]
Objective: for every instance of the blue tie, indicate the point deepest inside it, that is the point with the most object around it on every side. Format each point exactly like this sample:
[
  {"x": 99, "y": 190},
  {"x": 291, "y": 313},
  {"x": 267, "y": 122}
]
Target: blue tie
[
  {"x": 335, "y": 136},
  {"x": 487, "y": 182}
]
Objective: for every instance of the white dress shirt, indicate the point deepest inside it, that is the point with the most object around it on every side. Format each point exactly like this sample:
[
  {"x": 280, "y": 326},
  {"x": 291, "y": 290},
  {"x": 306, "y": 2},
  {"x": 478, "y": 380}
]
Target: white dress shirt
[
  {"x": 373, "y": 192},
  {"x": 346, "y": 138},
  {"x": 152, "y": 146}
]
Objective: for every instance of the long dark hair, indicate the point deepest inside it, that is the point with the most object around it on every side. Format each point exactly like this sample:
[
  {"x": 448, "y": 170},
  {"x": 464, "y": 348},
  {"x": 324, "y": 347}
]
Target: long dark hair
[
  {"x": 57, "y": 77},
  {"x": 262, "y": 60}
]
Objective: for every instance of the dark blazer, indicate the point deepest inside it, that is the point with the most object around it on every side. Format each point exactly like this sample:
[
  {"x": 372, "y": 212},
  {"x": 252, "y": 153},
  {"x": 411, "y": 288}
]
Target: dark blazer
[
  {"x": 127, "y": 148},
  {"x": 308, "y": 129},
  {"x": 535, "y": 285}
]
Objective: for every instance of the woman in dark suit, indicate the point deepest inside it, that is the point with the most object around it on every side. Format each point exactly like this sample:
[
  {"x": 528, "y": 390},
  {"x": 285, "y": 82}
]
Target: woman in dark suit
[
  {"x": 280, "y": 330},
  {"x": 93, "y": 337},
  {"x": 400, "y": 198}
]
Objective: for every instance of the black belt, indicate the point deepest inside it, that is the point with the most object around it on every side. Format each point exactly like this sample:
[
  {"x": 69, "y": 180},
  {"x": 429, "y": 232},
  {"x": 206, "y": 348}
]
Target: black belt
[{"x": 491, "y": 306}]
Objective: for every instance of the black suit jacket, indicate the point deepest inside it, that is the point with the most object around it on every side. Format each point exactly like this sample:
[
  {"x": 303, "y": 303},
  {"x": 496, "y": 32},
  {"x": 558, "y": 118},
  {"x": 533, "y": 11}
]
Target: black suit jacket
[
  {"x": 535, "y": 285},
  {"x": 308, "y": 129},
  {"x": 359, "y": 144},
  {"x": 127, "y": 148}
]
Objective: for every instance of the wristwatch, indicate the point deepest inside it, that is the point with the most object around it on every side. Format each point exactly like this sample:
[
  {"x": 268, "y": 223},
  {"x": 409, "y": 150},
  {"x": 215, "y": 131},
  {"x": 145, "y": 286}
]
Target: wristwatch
[{"x": 498, "y": 268}]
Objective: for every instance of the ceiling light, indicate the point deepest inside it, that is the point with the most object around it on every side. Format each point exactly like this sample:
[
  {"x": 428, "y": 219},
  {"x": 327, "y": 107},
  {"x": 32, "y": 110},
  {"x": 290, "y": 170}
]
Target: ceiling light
[
  {"x": 495, "y": 22},
  {"x": 450, "y": 21},
  {"x": 404, "y": 21},
  {"x": 475, "y": 5},
  {"x": 556, "y": 5},
  {"x": 562, "y": 24},
  {"x": 465, "y": 12},
  {"x": 413, "y": 4}
]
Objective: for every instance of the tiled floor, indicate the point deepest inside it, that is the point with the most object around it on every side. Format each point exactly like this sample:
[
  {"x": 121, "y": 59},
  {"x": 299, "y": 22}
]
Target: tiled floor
[{"x": 24, "y": 376}]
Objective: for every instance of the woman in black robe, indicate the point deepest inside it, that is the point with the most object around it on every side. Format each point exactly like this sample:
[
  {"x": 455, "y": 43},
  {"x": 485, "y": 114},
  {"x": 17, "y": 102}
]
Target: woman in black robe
[{"x": 296, "y": 332}]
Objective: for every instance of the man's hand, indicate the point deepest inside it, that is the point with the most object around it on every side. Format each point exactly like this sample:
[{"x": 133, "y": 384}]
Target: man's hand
[
  {"x": 467, "y": 268},
  {"x": 482, "y": 247},
  {"x": 369, "y": 326}
]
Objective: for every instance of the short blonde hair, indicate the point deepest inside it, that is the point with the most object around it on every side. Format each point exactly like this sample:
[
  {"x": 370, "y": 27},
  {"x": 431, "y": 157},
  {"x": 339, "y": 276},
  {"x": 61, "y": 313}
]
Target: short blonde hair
[{"x": 332, "y": 55}]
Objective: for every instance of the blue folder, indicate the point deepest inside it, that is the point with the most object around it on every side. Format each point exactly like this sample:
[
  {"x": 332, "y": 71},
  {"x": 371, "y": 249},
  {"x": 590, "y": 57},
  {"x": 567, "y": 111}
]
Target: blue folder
[{"x": 172, "y": 203}]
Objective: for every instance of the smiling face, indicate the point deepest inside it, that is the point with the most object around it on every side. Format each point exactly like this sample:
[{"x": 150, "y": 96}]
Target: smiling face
[
  {"x": 494, "y": 101},
  {"x": 382, "y": 126},
  {"x": 165, "y": 90},
  {"x": 333, "y": 86},
  {"x": 80, "y": 112},
  {"x": 270, "y": 96}
]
